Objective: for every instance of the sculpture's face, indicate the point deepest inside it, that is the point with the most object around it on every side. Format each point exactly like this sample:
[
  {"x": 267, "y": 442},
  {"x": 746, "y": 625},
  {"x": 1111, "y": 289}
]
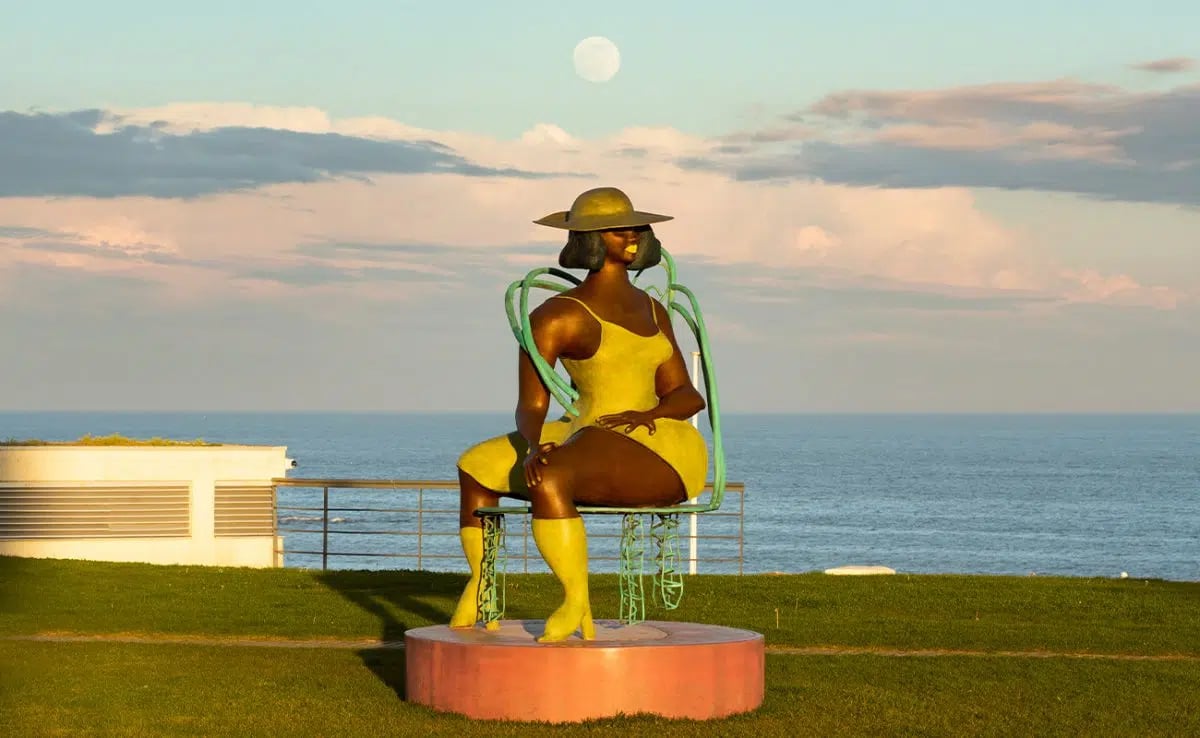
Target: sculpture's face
[{"x": 621, "y": 244}]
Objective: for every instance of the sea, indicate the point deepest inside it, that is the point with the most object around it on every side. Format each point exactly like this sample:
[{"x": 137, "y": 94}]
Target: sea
[{"x": 1075, "y": 495}]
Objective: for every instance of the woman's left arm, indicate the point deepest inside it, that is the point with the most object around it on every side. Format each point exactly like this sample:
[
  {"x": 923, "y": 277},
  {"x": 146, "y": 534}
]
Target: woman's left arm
[{"x": 678, "y": 397}]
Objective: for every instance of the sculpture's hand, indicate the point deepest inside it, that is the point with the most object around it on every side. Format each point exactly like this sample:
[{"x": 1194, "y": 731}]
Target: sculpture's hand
[
  {"x": 536, "y": 459},
  {"x": 630, "y": 419}
]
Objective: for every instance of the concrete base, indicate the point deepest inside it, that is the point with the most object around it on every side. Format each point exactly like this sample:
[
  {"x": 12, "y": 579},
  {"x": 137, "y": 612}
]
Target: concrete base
[{"x": 676, "y": 670}]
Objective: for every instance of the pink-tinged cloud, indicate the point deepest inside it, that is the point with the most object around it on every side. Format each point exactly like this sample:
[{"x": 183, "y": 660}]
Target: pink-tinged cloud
[
  {"x": 1090, "y": 286},
  {"x": 398, "y": 236},
  {"x": 1060, "y": 135},
  {"x": 1167, "y": 66},
  {"x": 1038, "y": 139},
  {"x": 93, "y": 153},
  {"x": 971, "y": 101}
]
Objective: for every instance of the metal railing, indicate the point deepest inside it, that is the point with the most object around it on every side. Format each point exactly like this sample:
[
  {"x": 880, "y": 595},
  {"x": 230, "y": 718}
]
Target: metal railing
[{"x": 378, "y": 516}]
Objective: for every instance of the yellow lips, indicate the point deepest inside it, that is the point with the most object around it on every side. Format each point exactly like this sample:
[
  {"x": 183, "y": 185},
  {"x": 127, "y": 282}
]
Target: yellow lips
[{"x": 631, "y": 249}]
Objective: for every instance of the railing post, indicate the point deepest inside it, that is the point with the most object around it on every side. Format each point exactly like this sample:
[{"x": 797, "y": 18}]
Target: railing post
[
  {"x": 741, "y": 531},
  {"x": 420, "y": 526},
  {"x": 525, "y": 540},
  {"x": 692, "y": 545},
  {"x": 325, "y": 527}
]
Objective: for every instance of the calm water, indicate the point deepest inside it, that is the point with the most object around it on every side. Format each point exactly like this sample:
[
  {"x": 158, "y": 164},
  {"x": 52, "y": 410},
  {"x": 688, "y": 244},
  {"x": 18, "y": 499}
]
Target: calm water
[{"x": 1003, "y": 494}]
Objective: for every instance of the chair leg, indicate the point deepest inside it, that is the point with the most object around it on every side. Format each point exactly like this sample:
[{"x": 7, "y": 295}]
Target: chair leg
[
  {"x": 633, "y": 553},
  {"x": 668, "y": 580},
  {"x": 491, "y": 588}
]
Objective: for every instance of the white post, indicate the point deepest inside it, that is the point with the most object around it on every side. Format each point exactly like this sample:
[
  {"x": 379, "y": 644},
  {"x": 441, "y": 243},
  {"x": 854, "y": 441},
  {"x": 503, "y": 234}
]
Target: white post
[{"x": 692, "y": 548}]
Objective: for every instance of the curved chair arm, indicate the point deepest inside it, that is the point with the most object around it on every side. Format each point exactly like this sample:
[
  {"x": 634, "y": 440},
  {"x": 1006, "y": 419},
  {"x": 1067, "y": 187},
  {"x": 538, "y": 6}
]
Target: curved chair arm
[
  {"x": 566, "y": 394},
  {"x": 562, "y": 391}
]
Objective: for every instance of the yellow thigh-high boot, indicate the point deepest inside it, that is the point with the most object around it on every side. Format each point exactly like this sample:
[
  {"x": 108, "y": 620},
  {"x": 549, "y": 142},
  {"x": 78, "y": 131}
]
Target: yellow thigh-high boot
[
  {"x": 563, "y": 544},
  {"x": 467, "y": 611}
]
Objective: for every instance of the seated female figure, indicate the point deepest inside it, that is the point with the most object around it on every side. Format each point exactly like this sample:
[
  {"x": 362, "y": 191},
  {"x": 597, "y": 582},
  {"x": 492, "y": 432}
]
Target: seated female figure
[{"x": 631, "y": 444}]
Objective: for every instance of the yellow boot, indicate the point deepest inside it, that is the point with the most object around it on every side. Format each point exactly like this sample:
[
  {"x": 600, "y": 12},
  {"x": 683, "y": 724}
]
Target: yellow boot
[
  {"x": 467, "y": 611},
  {"x": 563, "y": 544}
]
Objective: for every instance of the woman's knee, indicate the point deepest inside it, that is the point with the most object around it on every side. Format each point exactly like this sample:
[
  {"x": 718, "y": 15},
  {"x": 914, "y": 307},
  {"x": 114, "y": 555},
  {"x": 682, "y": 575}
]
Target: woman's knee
[
  {"x": 471, "y": 496},
  {"x": 555, "y": 484}
]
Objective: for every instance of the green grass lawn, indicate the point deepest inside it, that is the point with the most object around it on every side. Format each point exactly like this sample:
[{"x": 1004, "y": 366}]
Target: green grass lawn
[{"x": 72, "y": 688}]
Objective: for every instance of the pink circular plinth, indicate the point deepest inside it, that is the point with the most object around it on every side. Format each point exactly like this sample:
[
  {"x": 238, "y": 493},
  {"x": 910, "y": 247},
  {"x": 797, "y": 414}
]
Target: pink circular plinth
[{"x": 676, "y": 670}]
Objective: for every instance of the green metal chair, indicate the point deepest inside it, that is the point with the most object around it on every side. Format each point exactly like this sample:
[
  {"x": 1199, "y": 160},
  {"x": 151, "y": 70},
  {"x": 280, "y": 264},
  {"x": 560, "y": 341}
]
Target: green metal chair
[{"x": 664, "y": 527}]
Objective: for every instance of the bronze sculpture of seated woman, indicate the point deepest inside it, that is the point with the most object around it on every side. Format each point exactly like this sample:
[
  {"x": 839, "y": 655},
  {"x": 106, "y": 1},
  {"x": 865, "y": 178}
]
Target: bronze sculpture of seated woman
[{"x": 631, "y": 444}]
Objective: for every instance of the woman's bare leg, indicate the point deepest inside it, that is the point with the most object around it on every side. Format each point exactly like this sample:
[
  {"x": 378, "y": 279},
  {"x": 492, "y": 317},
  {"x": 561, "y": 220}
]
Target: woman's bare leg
[
  {"x": 472, "y": 496},
  {"x": 599, "y": 467},
  {"x": 602, "y": 467}
]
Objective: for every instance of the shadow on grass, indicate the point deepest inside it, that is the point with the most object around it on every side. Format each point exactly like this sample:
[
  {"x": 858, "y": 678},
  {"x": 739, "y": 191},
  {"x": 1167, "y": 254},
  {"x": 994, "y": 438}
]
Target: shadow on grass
[
  {"x": 389, "y": 666},
  {"x": 400, "y": 600}
]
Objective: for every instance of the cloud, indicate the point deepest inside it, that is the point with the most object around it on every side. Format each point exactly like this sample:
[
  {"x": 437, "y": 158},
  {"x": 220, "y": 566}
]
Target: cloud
[
  {"x": 21, "y": 232},
  {"x": 1097, "y": 140},
  {"x": 310, "y": 274},
  {"x": 116, "y": 239},
  {"x": 1173, "y": 64},
  {"x": 99, "y": 154},
  {"x": 75, "y": 335},
  {"x": 377, "y": 252},
  {"x": 786, "y": 132},
  {"x": 814, "y": 288},
  {"x": 427, "y": 228}
]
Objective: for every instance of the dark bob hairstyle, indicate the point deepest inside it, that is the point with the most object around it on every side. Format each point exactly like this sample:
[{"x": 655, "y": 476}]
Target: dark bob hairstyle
[{"x": 585, "y": 250}]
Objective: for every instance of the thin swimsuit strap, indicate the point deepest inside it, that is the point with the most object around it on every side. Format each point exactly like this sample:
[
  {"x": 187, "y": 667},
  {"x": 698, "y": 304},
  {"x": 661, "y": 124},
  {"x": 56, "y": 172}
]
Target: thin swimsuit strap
[
  {"x": 653, "y": 315},
  {"x": 585, "y": 306}
]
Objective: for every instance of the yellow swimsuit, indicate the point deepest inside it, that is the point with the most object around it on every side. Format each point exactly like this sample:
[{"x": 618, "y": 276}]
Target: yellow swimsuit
[{"x": 617, "y": 378}]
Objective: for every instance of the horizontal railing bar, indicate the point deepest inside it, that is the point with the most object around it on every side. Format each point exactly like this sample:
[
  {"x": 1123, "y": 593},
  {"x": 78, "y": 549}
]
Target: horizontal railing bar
[
  {"x": 520, "y": 561},
  {"x": 409, "y": 484},
  {"x": 367, "y": 532},
  {"x": 447, "y": 511},
  {"x": 381, "y": 555},
  {"x": 413, "y": 484},
  {"x": 604, "y": 536},
  {"x": 333, "y": 509},
  {"x": 510, "y": 558},
  {"x": 455, "y": 511},
  {"x": 236, "y": 513}
]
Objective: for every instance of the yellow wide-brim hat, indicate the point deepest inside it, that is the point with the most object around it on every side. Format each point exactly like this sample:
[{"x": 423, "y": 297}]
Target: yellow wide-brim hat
[{"x": 601, "y": 209}]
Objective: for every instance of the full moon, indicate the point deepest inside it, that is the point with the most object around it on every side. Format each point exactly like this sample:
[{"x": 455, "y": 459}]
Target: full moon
[{"x": 597, "y": 59}]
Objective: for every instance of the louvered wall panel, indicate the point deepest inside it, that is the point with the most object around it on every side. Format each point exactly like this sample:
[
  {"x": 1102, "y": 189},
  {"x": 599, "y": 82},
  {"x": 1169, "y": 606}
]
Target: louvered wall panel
[
  {"x": 95, "y": 511},
  {"x": 244, "y": 510}
]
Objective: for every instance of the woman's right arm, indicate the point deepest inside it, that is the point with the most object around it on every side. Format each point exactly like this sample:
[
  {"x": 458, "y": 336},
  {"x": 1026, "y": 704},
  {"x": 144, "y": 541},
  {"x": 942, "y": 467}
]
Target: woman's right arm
[{"x": 533, "y": 399}]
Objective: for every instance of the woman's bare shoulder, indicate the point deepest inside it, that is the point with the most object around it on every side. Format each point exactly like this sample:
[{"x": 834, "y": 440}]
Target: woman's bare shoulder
[{"x": 555, "y": 311}]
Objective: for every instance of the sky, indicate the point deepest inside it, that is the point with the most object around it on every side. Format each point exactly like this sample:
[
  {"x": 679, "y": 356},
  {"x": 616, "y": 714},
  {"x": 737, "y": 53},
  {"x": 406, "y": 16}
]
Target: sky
[{"x": 882, "y": 207}]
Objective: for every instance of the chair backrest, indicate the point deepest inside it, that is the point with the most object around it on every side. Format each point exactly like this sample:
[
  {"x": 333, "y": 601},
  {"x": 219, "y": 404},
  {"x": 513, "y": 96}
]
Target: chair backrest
[{"x": 565, "y": 393}]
